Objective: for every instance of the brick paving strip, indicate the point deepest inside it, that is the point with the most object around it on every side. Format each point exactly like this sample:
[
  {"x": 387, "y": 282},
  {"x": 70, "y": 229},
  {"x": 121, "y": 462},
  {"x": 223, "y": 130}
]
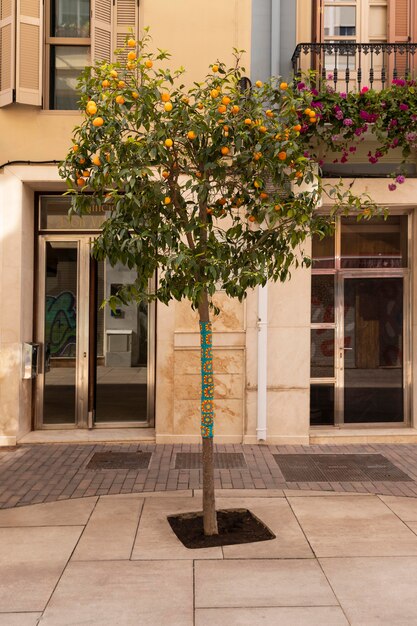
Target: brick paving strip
[{"x": 35, "y": 473}]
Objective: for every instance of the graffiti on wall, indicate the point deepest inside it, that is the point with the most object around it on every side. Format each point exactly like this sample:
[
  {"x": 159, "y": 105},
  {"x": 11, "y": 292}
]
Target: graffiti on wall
[{"x": 60, "y": 324}]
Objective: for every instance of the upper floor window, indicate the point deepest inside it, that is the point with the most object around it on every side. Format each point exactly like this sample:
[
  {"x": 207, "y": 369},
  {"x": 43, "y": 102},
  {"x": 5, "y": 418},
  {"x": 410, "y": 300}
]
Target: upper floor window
[{"x": 67, "y": 50}]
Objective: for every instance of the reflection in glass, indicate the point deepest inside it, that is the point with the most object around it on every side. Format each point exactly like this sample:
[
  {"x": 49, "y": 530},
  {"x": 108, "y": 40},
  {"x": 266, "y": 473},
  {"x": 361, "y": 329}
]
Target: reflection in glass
[
  {"x": 122, "y": 351},
  {"x": 67, "y": 63},
  {"x": 374, "y": 243},
  {"x": 322, "y": 353},
  {"x": 322, "y": 405},
  {"x": 339, "y": 21},
  {"x": 322, "y": 298},
  {"x": 60, "y": 333},
  {"x": 70, "y": 18},
  {"x": 54, "y": 216},
  {"x": 373, "y": 320},
  {"x": 323, "y": 252}
]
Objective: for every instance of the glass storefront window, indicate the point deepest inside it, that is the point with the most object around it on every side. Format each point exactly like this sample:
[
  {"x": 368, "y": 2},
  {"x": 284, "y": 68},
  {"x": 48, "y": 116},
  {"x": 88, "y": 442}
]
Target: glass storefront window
[
  {"x": 323, "y": 252},
  {"x": 375, "y": 243},
  {"x": 53, "y": 215},
  {"x": 322, "y": 405},
  {"x": 322, "y": 298},
  {"x": 322, "y": 353},
  {"x": 67, "y": 63}
]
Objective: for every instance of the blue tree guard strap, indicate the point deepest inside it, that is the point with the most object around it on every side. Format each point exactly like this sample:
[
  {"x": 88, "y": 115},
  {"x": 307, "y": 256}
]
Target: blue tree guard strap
[{"x": 207, "y": 383}]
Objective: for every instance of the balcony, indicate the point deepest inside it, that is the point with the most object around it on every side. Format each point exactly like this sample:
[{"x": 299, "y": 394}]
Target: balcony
[{"x": 350, "y": 66}]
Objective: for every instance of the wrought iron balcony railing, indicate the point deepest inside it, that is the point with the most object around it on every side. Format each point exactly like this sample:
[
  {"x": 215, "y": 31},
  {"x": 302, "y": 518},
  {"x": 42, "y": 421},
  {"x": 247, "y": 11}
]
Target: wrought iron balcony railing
[{"x": 353, "y": 65}]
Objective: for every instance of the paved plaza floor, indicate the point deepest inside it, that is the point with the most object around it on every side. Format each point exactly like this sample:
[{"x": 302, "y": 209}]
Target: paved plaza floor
[{"x": 97, "y": 548}]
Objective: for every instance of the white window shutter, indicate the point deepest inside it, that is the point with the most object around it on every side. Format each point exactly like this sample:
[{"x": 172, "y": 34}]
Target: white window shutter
[
  {"x": 7, "y": 54},
  {"x": 126, "y": 22},
  {"x": 101, "y": 30},
  {"x": 29, "y": 34}
]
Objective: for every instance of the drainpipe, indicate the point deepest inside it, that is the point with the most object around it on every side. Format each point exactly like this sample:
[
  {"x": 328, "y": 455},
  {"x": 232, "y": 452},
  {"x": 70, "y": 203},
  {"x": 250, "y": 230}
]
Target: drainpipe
[{"x": 262, "y": 361}]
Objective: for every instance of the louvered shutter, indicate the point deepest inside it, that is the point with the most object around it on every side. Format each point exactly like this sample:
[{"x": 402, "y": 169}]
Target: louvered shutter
[
  {"x": 126, "y": 22},
  {"x": 101, "y": 30},
  {"x": 29, "y": 31},
  {"x": 7, "y": 46},
  {"x": 399, "y": 31}
]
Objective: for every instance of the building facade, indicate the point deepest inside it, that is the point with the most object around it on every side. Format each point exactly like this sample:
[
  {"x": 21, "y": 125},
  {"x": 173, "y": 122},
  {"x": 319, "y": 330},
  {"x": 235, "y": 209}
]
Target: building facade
[{"x": 326, "y": 356}]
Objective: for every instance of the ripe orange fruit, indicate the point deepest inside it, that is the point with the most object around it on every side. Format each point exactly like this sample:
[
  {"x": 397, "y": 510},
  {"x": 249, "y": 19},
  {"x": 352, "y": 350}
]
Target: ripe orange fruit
[
  {"x": 257, "y": 156},
  {"x": 165, "y": 97},
  {"x": 215, "y": 68},
  {"x": 131, "y": 55},
  {"x": 225, "y": 150},
  {"x": 297, "y": 127},
  {"x": 98, "y": 121},
  {"x": 168, "y": 106},
  {"x": 312, "y": 120},
  {"x": 121, "y": 84},
  {"x": 167, "y": 200},
  {"x": 200, "y": 105},
  {"x": 269, "y": 113},
  {"x": 277, "y": 207},
  {"x": 135, "y": 95},
  {"x": 221, "y": 201},
  {"x": 165, "y": 174},
  {"x": 168, "y": 143},
  {"x": 262, "y": 129},
  {"x": 235, "y": 109},
  {"x": 96, "y": 160},
  {"x": 307, "y": 111},
  {"x": 283, "y": 86},
  {"x": 80, "y": 182},
  {"x": 252, "y": 218},
  {"x": 105, "y": 83},
  {"x": 264, "y": 195},
  {"x": 298, "y": 174},
  {"x": 259, "y": 83},
  {"x": 226, "y": 100},
  {"x": 221, "y": 108},
  {"x": 209, "y": 210},
  {"x": 185, "y": 99},
  {"x": 131, "y": 43},
  {"x": 91, "y": 108},
  {"x": 120, "y": 100},
  {"x": 199, "y": 174},
  {"x": 81, "y": 160},
  {"x": 282, "y": 155},
  {"x": 75, "y": 148},
  {"x": 191, "y": 135},
  {"x": 113, "y": 74},
  {"x": 214, "y": 93},
  {"x": 86, "y": 173},
  {"x": 248, "y": 121},
  {"x": 148, "y": 64},
  {"x": 257, "y": 184}
]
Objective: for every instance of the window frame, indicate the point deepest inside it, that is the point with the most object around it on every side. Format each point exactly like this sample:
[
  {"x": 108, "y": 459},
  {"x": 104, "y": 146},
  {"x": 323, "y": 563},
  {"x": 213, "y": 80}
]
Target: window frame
[{"x": 52, "y": 42}]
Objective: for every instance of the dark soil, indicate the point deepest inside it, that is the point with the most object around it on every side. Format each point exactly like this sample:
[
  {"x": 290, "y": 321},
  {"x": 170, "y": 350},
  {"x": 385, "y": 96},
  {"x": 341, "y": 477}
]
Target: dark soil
[{"x": 235, "y": 526}]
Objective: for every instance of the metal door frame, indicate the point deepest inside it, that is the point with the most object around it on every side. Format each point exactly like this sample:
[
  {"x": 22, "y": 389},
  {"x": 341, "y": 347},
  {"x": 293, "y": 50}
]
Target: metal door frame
[
  {"x": 340, "y": 275},
  {"x": 81, "y": 417}
]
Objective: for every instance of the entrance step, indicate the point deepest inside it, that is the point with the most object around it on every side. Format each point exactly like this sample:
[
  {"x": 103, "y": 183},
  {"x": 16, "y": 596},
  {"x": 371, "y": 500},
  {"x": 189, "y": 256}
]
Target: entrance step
[
  {"x": 98, "y": 435},
  {"x": 363, "y": 435}
]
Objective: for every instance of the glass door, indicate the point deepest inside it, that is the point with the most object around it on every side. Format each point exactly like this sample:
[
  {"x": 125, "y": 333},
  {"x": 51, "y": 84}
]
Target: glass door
[
  {"x": 360, "y": 324},
  {"x": 96, "y": 364},
  {"x": 372, "y": 353}
]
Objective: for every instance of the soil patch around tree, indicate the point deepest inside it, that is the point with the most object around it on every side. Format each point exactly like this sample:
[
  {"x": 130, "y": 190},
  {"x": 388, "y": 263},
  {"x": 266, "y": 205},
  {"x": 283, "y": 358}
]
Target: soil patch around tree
[{"x": 235, "y": 526}]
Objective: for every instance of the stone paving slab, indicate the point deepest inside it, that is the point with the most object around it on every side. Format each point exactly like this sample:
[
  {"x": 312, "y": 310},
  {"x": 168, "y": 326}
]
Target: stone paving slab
[
  {"x": 123, "y": 593},
  {"x": 31, "y": 562},
  {"x": 272, "y": 616},
  {"x": 19, "y": 619},
  {"x": 261, "y": 583},
  {"x": 375, "y": 591},
  {"x": 347, "y": 527},
  {"x": 38, "y": 473}
]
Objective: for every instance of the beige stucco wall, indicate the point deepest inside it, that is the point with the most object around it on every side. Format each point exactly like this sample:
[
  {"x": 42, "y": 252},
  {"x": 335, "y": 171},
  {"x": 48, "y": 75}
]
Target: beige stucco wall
[{"x": 197, "y": 34}]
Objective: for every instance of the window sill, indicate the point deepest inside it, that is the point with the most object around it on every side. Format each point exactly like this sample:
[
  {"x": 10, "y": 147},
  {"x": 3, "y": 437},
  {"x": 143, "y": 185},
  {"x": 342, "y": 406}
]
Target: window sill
[{"x": 60, "y": 112}]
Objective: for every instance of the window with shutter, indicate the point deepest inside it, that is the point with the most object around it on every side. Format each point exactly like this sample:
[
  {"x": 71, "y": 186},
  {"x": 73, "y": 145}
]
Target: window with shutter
[
  {"x": 67, "y": 50},
  {"x": 7, "y": 45},
  {"x": 101, "y": 30},
  {"x": 126, "y": 22},
  {"x": 400, "y": 30}
]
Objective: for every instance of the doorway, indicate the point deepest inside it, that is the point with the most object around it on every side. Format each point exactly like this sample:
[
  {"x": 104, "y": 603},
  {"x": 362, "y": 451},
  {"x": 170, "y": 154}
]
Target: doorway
[
  {"x": 360, "y": 330},
  {"x": 96, "y": 363}
]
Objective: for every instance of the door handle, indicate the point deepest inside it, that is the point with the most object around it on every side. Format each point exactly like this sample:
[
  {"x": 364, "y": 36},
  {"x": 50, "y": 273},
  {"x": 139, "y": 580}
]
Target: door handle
[{"x": 347, "y": 348}]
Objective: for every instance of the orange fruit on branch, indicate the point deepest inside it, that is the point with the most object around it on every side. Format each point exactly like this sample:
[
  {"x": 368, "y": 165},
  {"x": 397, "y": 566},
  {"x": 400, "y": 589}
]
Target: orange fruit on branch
[{"x": 98, "y": 121}]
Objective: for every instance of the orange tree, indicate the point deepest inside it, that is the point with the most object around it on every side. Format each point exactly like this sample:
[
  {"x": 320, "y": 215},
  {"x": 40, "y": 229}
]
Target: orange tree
[{"x": 208, "y": 185}]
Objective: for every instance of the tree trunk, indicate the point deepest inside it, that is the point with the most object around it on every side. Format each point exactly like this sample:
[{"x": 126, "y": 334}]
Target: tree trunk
[{"x": 207, "y": 418}]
